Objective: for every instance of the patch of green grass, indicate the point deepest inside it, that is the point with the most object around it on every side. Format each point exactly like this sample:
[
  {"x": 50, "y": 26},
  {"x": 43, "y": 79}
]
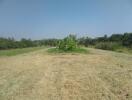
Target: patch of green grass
[
  {"x": 14, "y": 52},
  {"x": 124, "y": 50},
  {"x": 77, "y": 50}
]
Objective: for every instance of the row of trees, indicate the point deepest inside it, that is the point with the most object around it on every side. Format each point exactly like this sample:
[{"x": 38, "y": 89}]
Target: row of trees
[
  {"x": 8, "y": 43},
  {"x": 11, "y": 43},
  {"x": 122, "y": 39}
]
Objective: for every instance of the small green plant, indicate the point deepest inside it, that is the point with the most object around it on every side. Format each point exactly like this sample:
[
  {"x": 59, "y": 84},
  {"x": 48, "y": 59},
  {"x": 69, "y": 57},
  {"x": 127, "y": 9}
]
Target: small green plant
[{"x": 68, "y": 44}]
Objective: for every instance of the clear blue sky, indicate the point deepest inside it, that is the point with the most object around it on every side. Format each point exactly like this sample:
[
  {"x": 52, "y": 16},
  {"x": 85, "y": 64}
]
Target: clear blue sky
[{"x": 39, "y": 19}]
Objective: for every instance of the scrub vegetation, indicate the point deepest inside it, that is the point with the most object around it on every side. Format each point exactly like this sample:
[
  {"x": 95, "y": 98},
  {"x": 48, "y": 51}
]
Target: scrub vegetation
[
  {"x": 115, "y": 42},
  {"x": 68, "y": 45}
]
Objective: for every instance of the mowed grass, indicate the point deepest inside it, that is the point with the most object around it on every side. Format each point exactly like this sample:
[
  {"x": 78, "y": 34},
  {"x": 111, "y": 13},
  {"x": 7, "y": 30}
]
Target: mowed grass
[
  {"x": 98, "y": 75},
  {"x": 13, "y": 52}
]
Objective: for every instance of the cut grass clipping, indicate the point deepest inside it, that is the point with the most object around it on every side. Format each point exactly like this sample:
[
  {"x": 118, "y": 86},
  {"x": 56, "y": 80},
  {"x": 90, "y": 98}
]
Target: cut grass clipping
[{"x": 77, "y": 50}]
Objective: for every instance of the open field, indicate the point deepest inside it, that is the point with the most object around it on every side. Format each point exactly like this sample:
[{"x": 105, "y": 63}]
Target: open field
[{"x": 38, "y": 75}]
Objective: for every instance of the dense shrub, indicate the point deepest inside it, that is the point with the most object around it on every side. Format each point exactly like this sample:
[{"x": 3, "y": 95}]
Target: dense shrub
[
  {"x": 107, "y": 45},
  {"x": 116, "y": 37},
  {"x": 68, "y": 44},
  {"x": 86, "y": 41},
  {"x": 127, "y": 40}
]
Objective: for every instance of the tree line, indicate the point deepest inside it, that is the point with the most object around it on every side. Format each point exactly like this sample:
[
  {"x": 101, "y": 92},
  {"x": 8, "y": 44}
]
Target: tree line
[
  {"x": 11, "y": 43},
  {"x": 120, "y": 39}
]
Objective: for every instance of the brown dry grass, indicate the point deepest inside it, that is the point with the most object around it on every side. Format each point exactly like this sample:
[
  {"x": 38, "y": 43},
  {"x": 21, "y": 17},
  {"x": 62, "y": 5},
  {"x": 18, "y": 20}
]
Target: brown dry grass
[{"x": 100, "y": 75}]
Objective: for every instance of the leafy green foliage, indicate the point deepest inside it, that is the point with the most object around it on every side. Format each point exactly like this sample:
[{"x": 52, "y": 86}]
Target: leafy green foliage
[
  {"x": 116, "y": 37},
  {"x": 68, "y": 44},
  {"x": 127, "y": 40},
  {"x": 10, "y": 43}
]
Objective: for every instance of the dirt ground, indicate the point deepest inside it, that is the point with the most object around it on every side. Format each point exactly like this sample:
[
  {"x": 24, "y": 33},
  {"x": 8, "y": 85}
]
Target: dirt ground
[{"x": 99, "y": 75}]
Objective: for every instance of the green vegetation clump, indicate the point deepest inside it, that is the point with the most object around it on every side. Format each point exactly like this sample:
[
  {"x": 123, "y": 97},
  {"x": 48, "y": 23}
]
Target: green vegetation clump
[
  {"x": 107, "y": 46},
  {"x": 11, "y": 43},
  {"x": 127, "y": 40},
  {"x": 68, "y": 45}
]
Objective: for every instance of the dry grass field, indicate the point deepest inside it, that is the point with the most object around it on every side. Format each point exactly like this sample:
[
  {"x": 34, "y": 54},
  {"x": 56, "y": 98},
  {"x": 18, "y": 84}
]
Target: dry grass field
[{"x": 38, "y": 75}]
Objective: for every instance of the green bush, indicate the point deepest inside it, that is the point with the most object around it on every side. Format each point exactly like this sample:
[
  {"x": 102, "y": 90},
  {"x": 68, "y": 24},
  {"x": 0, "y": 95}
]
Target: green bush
[
  {"x": 68, "y": 44},
  {"x": 107, "y": 45},
  {"x": 77, "y": 50}
]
